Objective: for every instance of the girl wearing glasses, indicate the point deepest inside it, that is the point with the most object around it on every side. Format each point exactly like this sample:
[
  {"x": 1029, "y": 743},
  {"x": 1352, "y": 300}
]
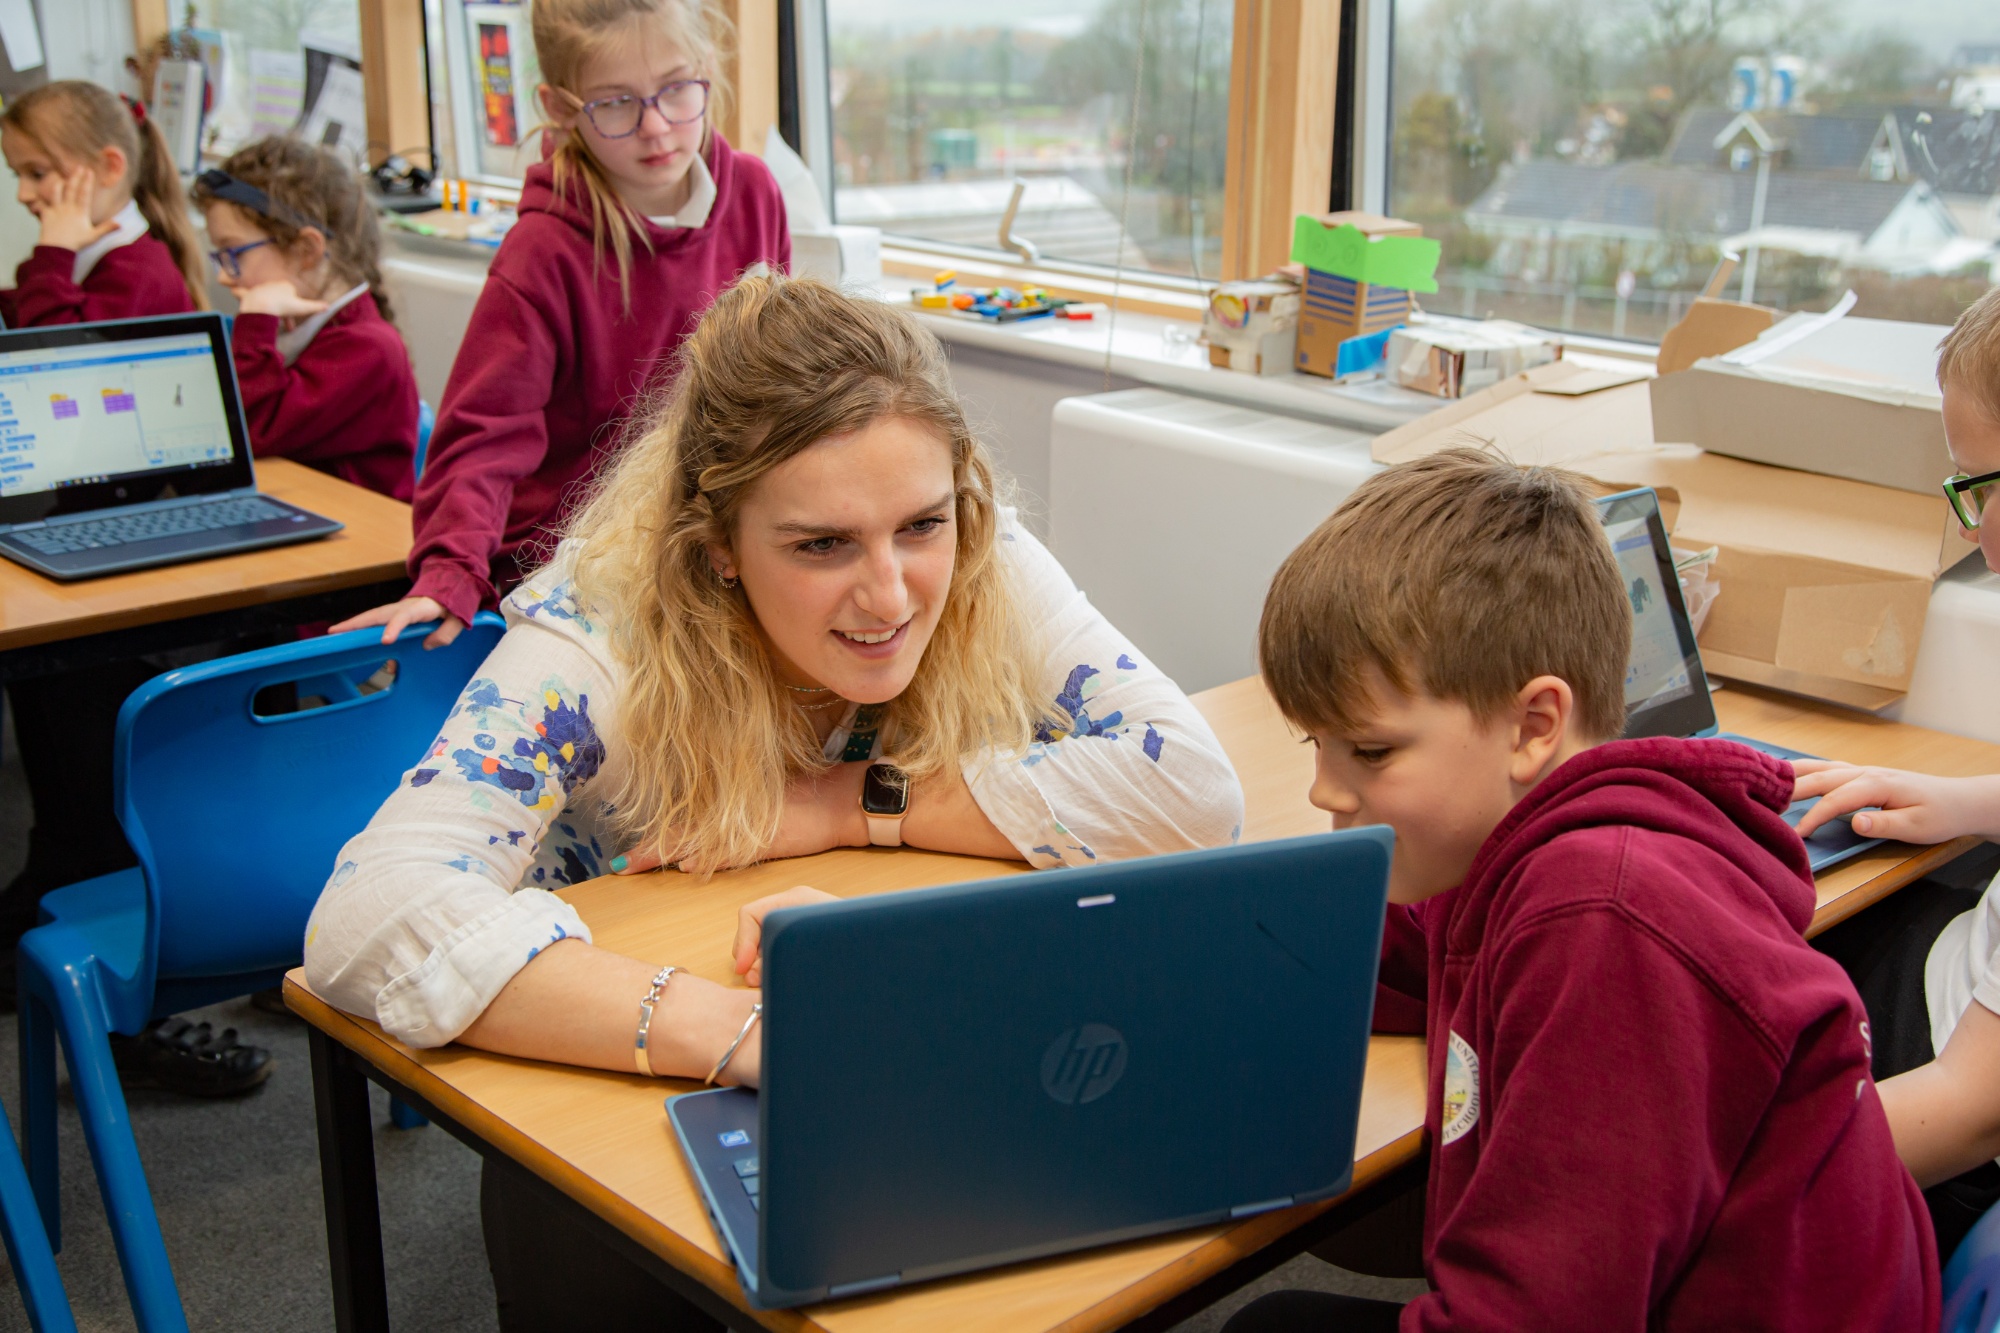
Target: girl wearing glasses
[
  {"x": 640, "y": 216},
  {"x": 325, "y": 377},
  {"x": 115, "y": 238}
]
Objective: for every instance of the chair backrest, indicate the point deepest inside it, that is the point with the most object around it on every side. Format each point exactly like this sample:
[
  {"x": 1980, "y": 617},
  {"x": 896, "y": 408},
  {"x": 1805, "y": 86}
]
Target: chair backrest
[
  {"x": 236, "y": 806},
  {"x": 1972, "y": 1280}
]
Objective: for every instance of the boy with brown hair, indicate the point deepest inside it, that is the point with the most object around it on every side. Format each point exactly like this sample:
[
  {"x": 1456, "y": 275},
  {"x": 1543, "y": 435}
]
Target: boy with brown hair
[{"x": 1649, "y": 1100}]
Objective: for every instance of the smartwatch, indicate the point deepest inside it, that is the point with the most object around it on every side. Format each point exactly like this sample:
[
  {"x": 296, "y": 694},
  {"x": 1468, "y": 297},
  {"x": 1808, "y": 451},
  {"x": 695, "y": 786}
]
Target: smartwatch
[{"x": 885, "y": 799}]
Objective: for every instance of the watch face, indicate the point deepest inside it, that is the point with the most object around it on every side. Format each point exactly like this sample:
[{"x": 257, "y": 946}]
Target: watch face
[{"x": 885, "y": 790}]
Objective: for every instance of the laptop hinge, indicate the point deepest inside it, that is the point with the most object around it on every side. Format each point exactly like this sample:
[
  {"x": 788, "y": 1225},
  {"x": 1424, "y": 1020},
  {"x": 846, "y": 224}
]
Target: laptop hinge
[
  {"x": 1243, "y": 1210},
  {"x": 845, "y": 1289}
]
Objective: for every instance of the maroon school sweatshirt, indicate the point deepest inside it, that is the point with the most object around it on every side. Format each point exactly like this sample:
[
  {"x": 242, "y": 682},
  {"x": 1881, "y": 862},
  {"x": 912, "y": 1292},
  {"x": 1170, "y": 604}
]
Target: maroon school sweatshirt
[
  {"x": 552, "y": 363},
  {"x": 129, "y": 282},
  {"x": 347, "y": 406},
  {"x": 1649, "y": 1101}
]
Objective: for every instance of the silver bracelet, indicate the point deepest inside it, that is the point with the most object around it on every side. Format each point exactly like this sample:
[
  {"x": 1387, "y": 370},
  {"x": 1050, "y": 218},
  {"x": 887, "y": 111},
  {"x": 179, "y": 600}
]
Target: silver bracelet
[
  {"x": 756, "y": 1012},
  {"x": 660, "y": 980}
]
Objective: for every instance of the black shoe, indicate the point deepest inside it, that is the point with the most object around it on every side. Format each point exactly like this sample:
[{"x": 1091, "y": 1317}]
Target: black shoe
[{"x": 192, "y": 1059}]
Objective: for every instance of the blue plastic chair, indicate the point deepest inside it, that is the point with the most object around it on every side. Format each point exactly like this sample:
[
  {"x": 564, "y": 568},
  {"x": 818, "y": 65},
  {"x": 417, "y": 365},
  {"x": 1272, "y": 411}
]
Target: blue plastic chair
[
  {"x": 426, "y": 423},
  {"x": 28, "y": 1244},
  {"x": 1972, "y": 1280},
  {"x": 236, "y": 817}
]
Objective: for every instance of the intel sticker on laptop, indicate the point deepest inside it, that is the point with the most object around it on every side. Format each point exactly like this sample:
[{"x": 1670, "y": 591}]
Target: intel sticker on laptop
[{"x": 735, "y": 1138}]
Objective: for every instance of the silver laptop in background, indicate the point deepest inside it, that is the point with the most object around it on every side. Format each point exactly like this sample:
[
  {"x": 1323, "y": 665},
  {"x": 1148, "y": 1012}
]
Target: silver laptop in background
[{"x": 123, "y": 446}]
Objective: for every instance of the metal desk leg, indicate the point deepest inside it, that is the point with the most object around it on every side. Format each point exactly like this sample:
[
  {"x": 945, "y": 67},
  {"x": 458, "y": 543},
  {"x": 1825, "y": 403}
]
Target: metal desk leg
[{"x": 347, "y": 1177}]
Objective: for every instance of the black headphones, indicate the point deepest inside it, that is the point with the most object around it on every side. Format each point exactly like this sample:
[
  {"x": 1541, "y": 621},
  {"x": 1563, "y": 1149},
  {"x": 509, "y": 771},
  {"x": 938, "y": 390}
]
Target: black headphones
[{"x": 397, "y": 175}]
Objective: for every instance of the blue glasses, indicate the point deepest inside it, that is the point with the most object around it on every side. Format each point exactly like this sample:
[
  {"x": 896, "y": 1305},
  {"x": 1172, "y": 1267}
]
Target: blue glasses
[
  {"x": 230, "y": 261},
  {"x": 678, "y": 103}
]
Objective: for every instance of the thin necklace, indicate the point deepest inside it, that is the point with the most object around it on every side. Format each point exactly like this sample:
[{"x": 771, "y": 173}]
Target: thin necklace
[
  {"x": 810, "y": 689},
  {"x": 814, "y": 708}
]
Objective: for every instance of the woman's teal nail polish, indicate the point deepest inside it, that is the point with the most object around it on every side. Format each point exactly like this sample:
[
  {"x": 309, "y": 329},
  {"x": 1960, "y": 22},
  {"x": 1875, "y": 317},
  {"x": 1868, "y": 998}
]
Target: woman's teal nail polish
[{"x": 618, "y": 864}]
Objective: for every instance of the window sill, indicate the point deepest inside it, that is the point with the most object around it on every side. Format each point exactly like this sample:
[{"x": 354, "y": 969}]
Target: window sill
[{"x": 1138, "y": 291}]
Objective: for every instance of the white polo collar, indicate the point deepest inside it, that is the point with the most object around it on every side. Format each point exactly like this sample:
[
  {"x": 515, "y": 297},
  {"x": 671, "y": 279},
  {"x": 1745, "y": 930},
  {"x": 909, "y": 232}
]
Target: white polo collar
[
  {"x": 131, "y": 225},
  {"x": 293, "y": 342},
  {"x": 700, "y": 201}
]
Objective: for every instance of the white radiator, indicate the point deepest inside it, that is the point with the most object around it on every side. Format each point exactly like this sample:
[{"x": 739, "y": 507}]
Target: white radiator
[{"x": 1173, "y": 513}]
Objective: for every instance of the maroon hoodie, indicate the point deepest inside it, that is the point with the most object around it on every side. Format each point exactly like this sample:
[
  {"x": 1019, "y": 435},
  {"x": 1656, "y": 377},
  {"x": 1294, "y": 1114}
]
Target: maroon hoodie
[
  {"x": 347, "y": 406},
  {"x": 1649, "y": 1101},
  {"x": 552, "y": 363},
  {"x": 129, "y": 282}
]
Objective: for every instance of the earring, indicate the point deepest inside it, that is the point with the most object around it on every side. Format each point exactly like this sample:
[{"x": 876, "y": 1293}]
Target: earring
[{"x": 725, "y": 580}]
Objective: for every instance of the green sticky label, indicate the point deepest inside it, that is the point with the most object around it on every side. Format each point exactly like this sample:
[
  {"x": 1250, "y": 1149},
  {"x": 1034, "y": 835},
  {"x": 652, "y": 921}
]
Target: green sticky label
[{"x": 1409, "y": 262}]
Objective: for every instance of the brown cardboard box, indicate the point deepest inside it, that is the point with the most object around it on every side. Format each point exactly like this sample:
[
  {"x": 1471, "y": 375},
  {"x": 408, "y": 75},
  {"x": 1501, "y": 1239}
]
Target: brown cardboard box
[
  {"x": 1855, "y": 398},
  {"x": 1825, "y": 582}
]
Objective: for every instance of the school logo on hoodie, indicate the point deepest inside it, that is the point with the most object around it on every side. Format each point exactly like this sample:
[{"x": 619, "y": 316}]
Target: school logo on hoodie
[{"x": 1461, "y": 1089}]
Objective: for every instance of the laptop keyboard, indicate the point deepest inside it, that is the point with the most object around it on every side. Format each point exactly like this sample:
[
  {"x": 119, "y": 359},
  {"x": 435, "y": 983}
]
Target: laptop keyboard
[
  {"x": 746, "y": 1171},
  {"x": 150, "y": 525}
]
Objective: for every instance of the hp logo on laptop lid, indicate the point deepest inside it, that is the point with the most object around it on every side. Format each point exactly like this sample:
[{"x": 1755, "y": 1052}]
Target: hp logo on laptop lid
[{"x": 1083, "y": 1064}]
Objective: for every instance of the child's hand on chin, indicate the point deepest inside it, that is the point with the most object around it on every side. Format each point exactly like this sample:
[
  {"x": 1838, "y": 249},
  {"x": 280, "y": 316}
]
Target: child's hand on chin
[
  {"x": 277, "y": 297},
  {"x": 65, "y": 217}
]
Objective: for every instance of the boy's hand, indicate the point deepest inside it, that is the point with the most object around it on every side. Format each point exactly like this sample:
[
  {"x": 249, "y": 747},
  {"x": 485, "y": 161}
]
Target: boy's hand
[
  {"x": 750, "y": 928},
  {"x": 278, "y": 298},
  {"x": 65, "y": 218},
  {"x": 1914, "y": 807}
]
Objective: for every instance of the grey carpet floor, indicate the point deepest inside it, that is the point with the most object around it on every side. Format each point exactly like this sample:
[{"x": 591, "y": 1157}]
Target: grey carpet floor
[{"x": 236, "y": 1184}]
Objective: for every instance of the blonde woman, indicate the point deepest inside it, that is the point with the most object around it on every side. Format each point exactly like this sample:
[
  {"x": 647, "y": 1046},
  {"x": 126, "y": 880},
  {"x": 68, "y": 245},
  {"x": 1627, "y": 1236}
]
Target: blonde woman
[{"x": 800, "y": 571}]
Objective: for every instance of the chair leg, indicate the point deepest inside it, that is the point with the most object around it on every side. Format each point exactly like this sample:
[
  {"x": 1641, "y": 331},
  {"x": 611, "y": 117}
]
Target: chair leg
[
  {"x": 28, "y": 1244},
  {"x": 405, "y": 1116},
  {"x": 107, "y": 1128},
  {"x": 38, "y": 1111}
]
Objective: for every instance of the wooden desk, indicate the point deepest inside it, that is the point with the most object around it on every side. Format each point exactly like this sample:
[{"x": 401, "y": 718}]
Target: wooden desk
[
  {"x": 603, "y": 1138},
  {"x": 47, "y": 626}
]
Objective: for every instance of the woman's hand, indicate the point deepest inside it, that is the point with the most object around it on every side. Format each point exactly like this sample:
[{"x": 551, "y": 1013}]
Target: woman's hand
[
  {"x": 280, "y": 298},
  {"x": 749, "y": 949},
  {"x": 1913, "y": 807},
  {"x": 65, "y": 217},
  {"x": 399, "y": 616}
]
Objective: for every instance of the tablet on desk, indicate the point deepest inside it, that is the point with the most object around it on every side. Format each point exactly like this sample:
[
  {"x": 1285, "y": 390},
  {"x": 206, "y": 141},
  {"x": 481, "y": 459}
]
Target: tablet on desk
[{"x": 123, "y": 446}]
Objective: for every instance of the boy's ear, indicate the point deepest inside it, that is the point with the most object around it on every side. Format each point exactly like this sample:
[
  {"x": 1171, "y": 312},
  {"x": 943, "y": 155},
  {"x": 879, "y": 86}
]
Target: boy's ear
[{"x": 1544, "y": 708}]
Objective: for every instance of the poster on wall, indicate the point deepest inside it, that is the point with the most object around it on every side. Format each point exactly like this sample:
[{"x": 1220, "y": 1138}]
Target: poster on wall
[
  {"x": 496, "y": 85},
  {"x": 334, "y": 111}
]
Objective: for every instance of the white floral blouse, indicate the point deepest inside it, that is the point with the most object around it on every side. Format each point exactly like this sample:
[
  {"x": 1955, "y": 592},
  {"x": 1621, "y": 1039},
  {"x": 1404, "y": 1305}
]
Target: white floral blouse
[{"x": 446, "y": 894}]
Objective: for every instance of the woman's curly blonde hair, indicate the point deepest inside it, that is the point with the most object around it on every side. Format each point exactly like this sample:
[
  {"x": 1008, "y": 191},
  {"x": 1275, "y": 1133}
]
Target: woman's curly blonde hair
[{"x": 710, "y": 735}]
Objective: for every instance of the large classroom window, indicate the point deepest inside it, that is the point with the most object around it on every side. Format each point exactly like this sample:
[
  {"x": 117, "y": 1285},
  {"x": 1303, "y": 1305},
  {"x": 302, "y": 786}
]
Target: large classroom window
[
  {"x": 938, "y": 105},
  {"x": 1586, "y": 162}
]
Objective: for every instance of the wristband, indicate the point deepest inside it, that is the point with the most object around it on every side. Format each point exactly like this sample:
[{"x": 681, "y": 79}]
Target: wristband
[{"x": 660, "y": 980}]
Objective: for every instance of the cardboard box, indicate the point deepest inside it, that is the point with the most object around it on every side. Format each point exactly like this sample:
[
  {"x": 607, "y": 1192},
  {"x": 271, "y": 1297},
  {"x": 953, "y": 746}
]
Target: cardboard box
[
  {"x": 1252, "y": 326},
  {"x": 1825, "y": 582},
  {"x": 1847, "y": 397},
  {"x": 1452, "y": 360}
]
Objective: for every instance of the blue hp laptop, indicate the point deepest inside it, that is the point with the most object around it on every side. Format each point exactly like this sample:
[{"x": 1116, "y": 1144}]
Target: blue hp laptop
[
  {"x": 122, "y": 445},
  {"x": 961, "y": 1077},
  {"x": 1666, "y": 690}
]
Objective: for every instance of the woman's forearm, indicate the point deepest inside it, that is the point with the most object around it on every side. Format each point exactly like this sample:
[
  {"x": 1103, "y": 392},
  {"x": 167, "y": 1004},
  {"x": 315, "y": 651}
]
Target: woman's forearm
[
  {"x": 943, "y": 817},
  {"x": 1946, "y": 1115},
  {"x": 577, "y": 1004}
]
